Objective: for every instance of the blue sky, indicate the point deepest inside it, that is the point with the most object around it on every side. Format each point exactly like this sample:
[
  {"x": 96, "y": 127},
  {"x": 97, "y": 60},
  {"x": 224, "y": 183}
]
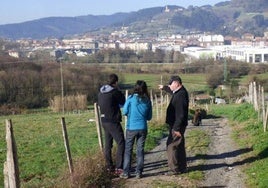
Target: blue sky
[{"x": 16, "y": 11}]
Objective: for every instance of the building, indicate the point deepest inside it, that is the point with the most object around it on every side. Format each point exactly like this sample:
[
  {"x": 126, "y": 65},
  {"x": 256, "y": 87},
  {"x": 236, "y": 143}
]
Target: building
[{"x": 247, "y": 53}]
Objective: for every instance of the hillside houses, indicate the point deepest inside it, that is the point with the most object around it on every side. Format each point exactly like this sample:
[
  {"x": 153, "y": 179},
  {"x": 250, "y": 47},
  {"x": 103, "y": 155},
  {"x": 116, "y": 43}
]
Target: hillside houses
[{"x": 197, "y": 45}]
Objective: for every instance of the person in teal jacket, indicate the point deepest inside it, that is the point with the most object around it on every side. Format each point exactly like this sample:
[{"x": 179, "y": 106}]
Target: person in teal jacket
[{"x": 138, "y": 109}]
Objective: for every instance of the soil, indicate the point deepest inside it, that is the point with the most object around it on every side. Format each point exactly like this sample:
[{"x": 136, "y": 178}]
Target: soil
[{"x": 221, "y": 165}]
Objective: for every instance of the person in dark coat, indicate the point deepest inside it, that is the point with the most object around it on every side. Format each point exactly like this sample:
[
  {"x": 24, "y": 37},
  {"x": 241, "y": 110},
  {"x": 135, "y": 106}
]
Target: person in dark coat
[
  {"x": 110, "y": 99},
  {"x": 177, "y": 120}
]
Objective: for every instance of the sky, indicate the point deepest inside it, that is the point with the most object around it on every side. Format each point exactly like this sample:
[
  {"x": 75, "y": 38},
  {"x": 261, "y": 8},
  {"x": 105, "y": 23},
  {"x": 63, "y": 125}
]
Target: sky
[{"x": 17, "y": 11}]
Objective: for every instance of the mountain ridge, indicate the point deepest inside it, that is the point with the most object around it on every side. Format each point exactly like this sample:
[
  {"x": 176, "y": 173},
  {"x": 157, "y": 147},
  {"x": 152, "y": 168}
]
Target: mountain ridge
[{"x": 234, "y": 17}]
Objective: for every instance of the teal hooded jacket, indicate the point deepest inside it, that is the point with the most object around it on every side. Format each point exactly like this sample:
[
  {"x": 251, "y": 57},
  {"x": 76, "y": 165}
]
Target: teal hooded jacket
[{"x": 138, "y": 111}]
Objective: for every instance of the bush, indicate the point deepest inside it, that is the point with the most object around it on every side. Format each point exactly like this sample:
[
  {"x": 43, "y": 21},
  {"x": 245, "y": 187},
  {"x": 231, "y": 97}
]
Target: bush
[
  {"x": 88, "y": 172},
  {"x": 9, "y": 109}
]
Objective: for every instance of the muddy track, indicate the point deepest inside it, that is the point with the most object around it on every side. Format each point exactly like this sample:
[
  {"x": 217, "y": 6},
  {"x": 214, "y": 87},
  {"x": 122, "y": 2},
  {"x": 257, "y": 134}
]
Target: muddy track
[{"x": 220, "y": 165}]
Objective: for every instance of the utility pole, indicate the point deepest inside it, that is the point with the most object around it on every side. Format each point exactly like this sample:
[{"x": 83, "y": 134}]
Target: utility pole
[
  {"x": 225, "y": 71},
  {"x": 62, "y": 87}
]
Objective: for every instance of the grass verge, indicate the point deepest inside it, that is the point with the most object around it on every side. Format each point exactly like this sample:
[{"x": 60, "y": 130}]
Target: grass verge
[{"x": 249, "y": 134}]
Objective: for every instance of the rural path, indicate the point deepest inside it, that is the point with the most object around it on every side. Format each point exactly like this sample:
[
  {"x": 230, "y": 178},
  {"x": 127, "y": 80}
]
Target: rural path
[{"x": 220, "y": 165}]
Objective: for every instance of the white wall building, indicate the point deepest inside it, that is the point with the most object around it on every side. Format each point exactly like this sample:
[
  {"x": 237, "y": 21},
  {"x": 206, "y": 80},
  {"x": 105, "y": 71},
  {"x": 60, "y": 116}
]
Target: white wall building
[
  {"x": 200, "y": 53},
  {"x": 248, "y": 54}
]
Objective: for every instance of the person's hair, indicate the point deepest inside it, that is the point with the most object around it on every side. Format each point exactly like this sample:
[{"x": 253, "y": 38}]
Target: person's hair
[
  {"x": 113, "y": 78},
  {"x": 176, "y": 79},
  {"x": 141, "y": 88}
]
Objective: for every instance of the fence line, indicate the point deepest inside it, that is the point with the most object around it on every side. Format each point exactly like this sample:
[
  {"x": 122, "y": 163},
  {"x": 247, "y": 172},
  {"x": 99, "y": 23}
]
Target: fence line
[
  {"x": 257, "y": 99},
  {"x": 66, "y": 144},
  {"x": 11, "y": 167},
  {"x": 98, "y": 125}
]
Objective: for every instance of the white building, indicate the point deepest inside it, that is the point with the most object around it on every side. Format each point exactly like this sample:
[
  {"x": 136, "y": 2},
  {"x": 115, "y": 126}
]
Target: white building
[
  {"x": 200, "y": 53},
  {"x": 250, "y": 54}
]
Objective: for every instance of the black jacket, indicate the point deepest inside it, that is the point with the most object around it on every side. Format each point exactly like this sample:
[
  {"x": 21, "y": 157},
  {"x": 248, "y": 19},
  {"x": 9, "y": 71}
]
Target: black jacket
[
  {"x": 110, "y": 100},
  {"x": 177, "y": 110}
]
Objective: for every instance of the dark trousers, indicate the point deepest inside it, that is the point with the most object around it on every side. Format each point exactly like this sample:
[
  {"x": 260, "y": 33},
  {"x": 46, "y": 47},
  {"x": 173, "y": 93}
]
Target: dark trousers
[
  {"x": 176, "y": 152},
  {"x": 114, "y": 131}
]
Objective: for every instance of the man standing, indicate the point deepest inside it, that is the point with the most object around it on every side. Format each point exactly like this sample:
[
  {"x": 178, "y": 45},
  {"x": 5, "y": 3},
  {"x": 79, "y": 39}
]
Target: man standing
[
  {"x": 110, "y": 99},
  {"x": 177, "y": 119}
]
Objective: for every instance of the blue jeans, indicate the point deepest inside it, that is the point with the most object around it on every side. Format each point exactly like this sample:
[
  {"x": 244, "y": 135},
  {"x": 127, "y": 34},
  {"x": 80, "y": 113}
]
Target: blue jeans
[{"x": 140, "y": 137}]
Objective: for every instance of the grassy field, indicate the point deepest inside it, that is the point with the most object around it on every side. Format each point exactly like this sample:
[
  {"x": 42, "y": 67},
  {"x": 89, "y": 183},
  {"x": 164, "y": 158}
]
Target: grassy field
[
  {"x": 41, "y": 152},
  {"x": 193, "y": 82},
  {"x": 40, "y": 144}
]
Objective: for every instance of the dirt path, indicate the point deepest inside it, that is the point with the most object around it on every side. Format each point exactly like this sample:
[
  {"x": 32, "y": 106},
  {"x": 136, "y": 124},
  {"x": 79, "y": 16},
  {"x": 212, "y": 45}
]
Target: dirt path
[{"x": 220, "y": 165}]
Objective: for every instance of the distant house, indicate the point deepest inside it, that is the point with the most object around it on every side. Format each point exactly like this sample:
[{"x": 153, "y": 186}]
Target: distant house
[
  {"x": 200, "y": 53},
  {"x": 13, "y": 53}
]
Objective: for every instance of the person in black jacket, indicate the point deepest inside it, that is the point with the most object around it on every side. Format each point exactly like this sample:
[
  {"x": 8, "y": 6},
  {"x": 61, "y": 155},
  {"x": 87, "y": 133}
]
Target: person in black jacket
[
  {"x": 110, "y": 99},
  {"x": 177, "y": 119}
]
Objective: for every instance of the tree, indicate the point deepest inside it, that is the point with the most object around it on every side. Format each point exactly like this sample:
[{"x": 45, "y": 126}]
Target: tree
[{"x": 215, "y": 78}]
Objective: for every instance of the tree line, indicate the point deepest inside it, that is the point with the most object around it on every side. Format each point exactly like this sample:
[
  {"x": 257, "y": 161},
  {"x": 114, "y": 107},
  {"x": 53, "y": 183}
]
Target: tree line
[
  {"x": 31, "y": 85},
  {"x": 25, "y": 84}
]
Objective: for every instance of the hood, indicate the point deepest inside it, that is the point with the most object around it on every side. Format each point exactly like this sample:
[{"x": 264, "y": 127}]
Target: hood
[{"x": 106, "y": 89}]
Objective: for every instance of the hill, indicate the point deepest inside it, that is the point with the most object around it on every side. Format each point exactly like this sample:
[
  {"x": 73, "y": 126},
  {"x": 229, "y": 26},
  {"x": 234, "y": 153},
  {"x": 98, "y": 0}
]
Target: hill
[{"x": 234, "y": 17}]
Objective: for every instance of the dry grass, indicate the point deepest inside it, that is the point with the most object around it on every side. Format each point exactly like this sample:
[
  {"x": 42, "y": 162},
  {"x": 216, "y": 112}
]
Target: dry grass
[
  {"x": 71, "y": 102},
  {"x": 89, "y": 172}
]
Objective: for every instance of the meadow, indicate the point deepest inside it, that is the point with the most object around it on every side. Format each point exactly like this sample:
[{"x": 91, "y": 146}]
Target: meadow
[
  {"x": 41, "y": 152},
  {"x": 193, "y": 82},
  {"x": 39, "y": 137}
]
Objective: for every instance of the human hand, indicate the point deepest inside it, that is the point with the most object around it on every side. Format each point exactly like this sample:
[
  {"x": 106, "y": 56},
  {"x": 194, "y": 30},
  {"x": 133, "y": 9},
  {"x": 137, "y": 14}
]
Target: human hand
[{"x": 176, "y": 133}]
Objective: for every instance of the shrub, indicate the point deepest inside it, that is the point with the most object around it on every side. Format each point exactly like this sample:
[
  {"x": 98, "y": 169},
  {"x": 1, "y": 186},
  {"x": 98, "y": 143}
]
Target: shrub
[
  {"x": 88, "y": 172},
  {"x": 10, "y": 109}
]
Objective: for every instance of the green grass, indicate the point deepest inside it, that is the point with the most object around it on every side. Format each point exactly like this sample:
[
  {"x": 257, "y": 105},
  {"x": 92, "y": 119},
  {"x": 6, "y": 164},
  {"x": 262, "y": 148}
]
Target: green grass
[
  {"x": 249, "y": 134},
  {"x": 193, "y": 82},
  {"x": 246, "y": 79},
  {"x": 42, "y": 156},
  {"x": 197, "y": 143},
  {"x": 40, "y": 146},
  {"x": 41, "y": 152}
]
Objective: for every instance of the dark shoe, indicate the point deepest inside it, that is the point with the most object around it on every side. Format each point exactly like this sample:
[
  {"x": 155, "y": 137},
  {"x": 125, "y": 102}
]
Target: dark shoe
[
  {"x": 182, "y": 171},
  {"x": 124, "y": 176}
]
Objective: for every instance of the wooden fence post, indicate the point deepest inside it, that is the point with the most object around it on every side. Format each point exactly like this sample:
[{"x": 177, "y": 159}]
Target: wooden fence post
[
  {"x": 156, "y": 107},
  {"x": 66, "y": 144},
  {"x": 250, "y": 93},
  {"x": 98, "y": 124},
  {"x": 266, "y": 118},
  {"x": 259, "y": 104},
  {"x": 255, "y": 96},
  {"x": 263, "y": 108},
  {"x": 152, "y": 97},
  {"x": 12, "y": 166},
  {"x": 5, "y": 171}
]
